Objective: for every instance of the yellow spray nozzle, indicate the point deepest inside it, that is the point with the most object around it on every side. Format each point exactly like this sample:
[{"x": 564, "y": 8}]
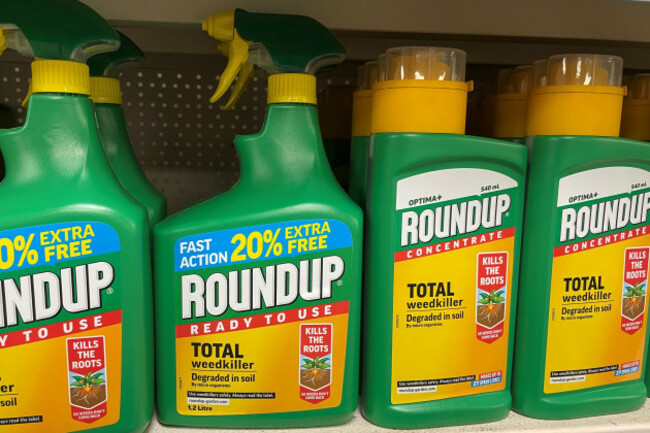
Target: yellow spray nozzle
[
  {"x": 223, "y": 48},
  {"x": 237, "y": 57},
  {"x": 221, "y": 26},
  {"x": 3, "y": 47},
  {"x": 26, "y": 99},
  {"x": 245, "y": 76}
]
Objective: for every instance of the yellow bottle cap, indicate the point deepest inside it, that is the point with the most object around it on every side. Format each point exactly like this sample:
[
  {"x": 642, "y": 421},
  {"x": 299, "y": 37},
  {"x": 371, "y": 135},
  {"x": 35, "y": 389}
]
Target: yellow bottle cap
[
  {"x": 514, "y": 81},
  {"x": 105, "y": 90},
  {"x": 576, "y": 94},
  {"x": 3, "y": 47},
  {"x": 362, "y": 99},
  {"x": 292, "y": 88},
  {"x": 421, "y": 90},
  {"x": 367, "y": 75},
  {"x": 511, "y": 102},
  {"x": 539, "y": 74},
  {"x": 60, "y": 76},
  {"x": 639, "y": 87},
  {"x": 382, "y": 68},
  {"x": 361, "y": 108},
  {"x": 635, "y": 120}
]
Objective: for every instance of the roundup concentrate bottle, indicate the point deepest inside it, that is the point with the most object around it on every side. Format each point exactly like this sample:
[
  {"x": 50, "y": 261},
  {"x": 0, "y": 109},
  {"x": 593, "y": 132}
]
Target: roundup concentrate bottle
[
  {"x": 360, "y": 148},
  {"x": 107, "y": 96},
  {"x": 444, "y": 224},
  {"x": 258, "y": 289},
  {"x": 511, "y": 104},
  {"x": 635, "y": 119},
  {"x": 581, "y": 332},
  {"x": 75, "y": 290}
]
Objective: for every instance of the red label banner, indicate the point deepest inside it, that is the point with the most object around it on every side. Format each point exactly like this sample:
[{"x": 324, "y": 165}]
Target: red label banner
[
  {"x": 60, "y": 329},
  {"x": 578, "y": 247},
  {"x": 262, "y": 320},
  {"x": 315, "y": 361},
  {"x": 635, "y": 280},
  {"x": 87, "y": 373},
  {"x": 491, "y": 297},
  {"x": 456, "y": 244}
]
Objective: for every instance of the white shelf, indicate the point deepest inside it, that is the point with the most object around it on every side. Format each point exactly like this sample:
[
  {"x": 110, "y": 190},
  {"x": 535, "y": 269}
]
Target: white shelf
[
  {"x": 575, "y": 19},
  {"x": 630, "y": 422}
]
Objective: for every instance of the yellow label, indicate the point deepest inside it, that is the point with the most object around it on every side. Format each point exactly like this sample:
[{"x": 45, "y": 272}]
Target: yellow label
[
  {"x": 35, "y": 380},
  {"x": 599, "y": 280},
  {"x": 259, "y": 369},
  {"x": 452, "y": 285}
]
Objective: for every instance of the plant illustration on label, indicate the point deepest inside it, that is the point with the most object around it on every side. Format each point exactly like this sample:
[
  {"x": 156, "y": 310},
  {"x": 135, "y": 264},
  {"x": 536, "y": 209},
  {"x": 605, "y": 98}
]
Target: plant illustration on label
[
  {"x": 87, "y": 372},
  {"x": 492, "y": 295},
  {"x": 316, "y": 361}
]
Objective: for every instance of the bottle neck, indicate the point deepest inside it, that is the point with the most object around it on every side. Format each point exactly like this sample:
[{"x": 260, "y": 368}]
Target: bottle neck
[
  {"x": 58, "y": 142},
  {"x": 288, "y": 151},
  {"x": 112, "y": 130}
]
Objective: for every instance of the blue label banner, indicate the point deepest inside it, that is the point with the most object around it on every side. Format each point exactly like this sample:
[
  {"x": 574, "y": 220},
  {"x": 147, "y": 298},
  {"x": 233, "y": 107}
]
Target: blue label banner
[
  {"x": 259, "y": 243},
  {"x": 50, "y": 244}
]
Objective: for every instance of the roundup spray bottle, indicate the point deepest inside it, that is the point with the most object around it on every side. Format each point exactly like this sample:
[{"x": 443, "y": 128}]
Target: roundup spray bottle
[
  {"x": 107, "y": 96},
  {"x": 258, "y": 289},
  {"x": 361, "y": 104},
  {"x": 444, "y": 215},
  {"x": 75, "y": 292},
  {"x": 635, "y": 119},
  {"x": 511, "y": 104},
  {"x": 335, "y": 120},
  {"x": 581, "y": 330}
]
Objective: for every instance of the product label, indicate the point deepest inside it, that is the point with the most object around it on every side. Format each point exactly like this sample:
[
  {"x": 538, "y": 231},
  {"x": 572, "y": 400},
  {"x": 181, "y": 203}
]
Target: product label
[
  {"x": 599, "y": 279},
  {"x": 262, "y": 318},
  {"x": 452, "y": 283},
  {"x": 60, "y": 327}
]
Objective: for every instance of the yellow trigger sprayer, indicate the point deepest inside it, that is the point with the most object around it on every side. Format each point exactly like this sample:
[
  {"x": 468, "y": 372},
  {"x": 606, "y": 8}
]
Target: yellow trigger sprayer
[{"x": 268, "y": 41}]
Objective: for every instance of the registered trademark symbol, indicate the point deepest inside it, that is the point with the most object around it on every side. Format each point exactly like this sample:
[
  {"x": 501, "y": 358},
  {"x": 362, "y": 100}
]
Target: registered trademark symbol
[
  {"x": 339, "y": 283},
  {"x": 109, "y": 291}
]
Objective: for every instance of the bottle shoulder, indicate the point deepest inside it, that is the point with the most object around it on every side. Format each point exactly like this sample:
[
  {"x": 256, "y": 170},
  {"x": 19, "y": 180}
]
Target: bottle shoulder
[
  {"x": 242, "y": 207},
  {"x": 48, "y": 205},
  {"x": 399, "y": 151}
]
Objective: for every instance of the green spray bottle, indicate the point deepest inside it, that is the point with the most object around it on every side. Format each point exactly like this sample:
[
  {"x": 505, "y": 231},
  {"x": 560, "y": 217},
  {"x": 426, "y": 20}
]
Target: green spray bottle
[
  {"x": 258, "y": 288},
  {"x": 360, "y": 146},
  {"x": 511, "y": 104},
  {"x": 444, "y": 226},
  {"x": 107, "y": 96},
  {"x": 581, "y": 332},
  {"x": 75, "y": 291}
]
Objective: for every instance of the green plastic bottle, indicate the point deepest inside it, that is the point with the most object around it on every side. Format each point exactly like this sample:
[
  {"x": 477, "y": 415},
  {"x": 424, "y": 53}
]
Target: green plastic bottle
[
  {"x": 442, "y": 251},
  {"x": 258, "y": 289},
  {"x": 107, "y": 96},
  {"x": 360, "y": 146},
  {"x": 581, "y": 332},
  {"x": 335, "y": 120},
  {"x": 75, "y": 293},
  {"x": 511, "y": 104}
]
